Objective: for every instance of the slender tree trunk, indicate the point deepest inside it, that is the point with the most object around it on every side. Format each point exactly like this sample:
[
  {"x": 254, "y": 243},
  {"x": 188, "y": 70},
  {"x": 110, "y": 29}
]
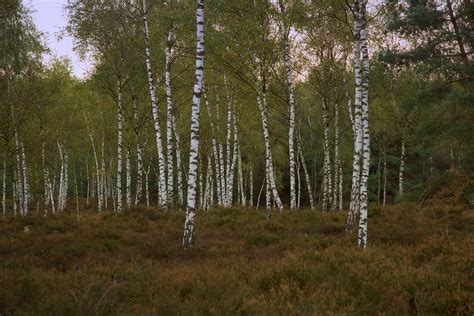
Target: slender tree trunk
[
  {"x": 356, "y": 162},
  {"x": 228, "y": 185},
  {"x": 341, "y": 195},
  {"x": 250, "y": 184},
  {"x": 119, "y": 148},
  {"x": 136, "y": 122},
  {"x": 402, "y": 169},
  {"x": 179, "y": 165},
  {"x": 102, "y": 187},
  {"x": 262, "y": 104},
  {"x": 26, "y": 185},
  {"x": 61, "y": 179},
  {"x": 365, "y": 130},
  {"x": 147, "y": 190},
  {"x": 19, "y": 177},
  {"x": 162, "y": 194},
  {"x": 200, "y": 181},
  {"x": 243, "y": 198},
  {"x": 337, "y": 161},
  {"x": 129, "y": 180},
  {"x": 188, "y": 239},
  {"x": 231, "y": 174},
  {"x": 291, "y": 132},
  {"x": 88, "y": 183},
  {"x": 215, "y": 152},
  {"x": 99, "y": 195},
  {"x": 169, "y": 114},
  {"x": 384, "y": 178},
  {"x": 4, "y": 187},
  {"x": 298, "y": 182},
  {"x": 327, "y": 182},
  {"x": 14, "y": 192},
  {"x": 306, "y": 173}
]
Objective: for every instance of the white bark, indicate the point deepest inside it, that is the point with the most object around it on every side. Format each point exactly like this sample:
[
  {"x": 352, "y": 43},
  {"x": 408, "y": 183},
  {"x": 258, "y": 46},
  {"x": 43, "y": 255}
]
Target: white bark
[
  {"x": 188, "y": 239},
  {"x": 102, "y": 187},
  {"x": 169, "y": 114},
  {"x": 26, "y": 186},
  {"x": 365, "y": 128},
  {"x": 227, "y": 184},
  {"x": 215, "y": 152},
  {"x": 292, "y": 123},
  {"x": 129, "y": 180},
  {"x": 231, "y": 174},
  {"x": 243, "y": 198},
  {"x": 337, "y": 162},
  {"x": 262, "y": 104},
  {"x": 19, "y": 177},
  {"x": 147, "y": 190},
  {"x": 250, "y": 185},
  {"x": 356, "y": 162},
  {"x": 402, "y": 168},
  {"x": 306, "y": 173},
  {"x": 179, "y": 165},
  {"x": 4, "y": 188},
  {"x": 384, "y": 179},
  {"x": 119, "y": 149},
  {"x": 327, "y": 182},
  {"x": 136, "y": 121},
  {"x": 96, "y": 160},
  {"x": 162, "y": 194}
]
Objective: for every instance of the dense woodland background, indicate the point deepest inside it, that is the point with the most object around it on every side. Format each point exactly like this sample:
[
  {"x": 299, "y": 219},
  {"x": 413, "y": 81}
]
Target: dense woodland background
[{"x": 420, "y": 93}]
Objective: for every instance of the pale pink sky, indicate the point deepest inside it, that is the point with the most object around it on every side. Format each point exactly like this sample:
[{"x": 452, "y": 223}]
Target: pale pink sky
[{"x": 50, "y": 18}]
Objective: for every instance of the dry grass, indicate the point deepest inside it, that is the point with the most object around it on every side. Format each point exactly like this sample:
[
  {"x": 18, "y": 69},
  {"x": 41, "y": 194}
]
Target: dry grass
[{"x": 418, "y": 261}]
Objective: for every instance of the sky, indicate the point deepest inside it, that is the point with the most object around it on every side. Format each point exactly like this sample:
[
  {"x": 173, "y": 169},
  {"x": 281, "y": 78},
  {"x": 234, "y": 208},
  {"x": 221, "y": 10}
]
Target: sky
[{"x": 50, "y": 18}]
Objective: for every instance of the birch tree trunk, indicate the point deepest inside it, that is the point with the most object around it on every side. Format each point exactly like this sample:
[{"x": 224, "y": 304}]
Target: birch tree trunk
[
  {"x": 169, "y": 114},
  {"x": 337, "y": 161},
  {"x": 365, "y": 128},
  {"x": 250, "y": 185},
  {"x": 231, "y": 175},
  {"x": 19, "y": 175},
  {"x": 162, "y": 194},
  {"x": 103, "y": 180},
  {"x": 26, "y": 186},
  {"x": 262, "y": 104},
  {"x": 227, "y": 184},
  {"x": 179, "y": 164},
  {"x": 291, "y": 132},
  {"x": 402, "y": 169},
  {"x": 384, "y": 178},
  {"x": 129, "y": 180},
  {"x": 306, "y": 173},
  {"x": 99, "y": 195},
  {"x": 243, "y": 198},
  {"x": 4, "y": 187},
  {"x": 136, "y": 121},
  {"x": 215, "y": 152},
  {"x": 188, "y": 239},
  {"x": 45, "y": 177},
  {"x": 356, "y": 162},
  {"x": 119, "y": 148},
  {"x": 327, "y": 182},
  {"x": 147, "y": 190}
]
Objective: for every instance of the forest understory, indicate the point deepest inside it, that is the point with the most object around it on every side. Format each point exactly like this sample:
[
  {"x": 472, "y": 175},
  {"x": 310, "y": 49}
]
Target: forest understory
[{"x": 301, "y": 262}]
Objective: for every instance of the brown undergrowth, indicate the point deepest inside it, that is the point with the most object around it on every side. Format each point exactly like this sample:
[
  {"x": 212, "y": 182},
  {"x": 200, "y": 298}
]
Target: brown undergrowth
[{"x": 419, "y": 260}]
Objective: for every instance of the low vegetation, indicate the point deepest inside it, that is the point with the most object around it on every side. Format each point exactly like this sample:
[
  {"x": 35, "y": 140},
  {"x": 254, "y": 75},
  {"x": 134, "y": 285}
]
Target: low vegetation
[{"x": 419, "y": 260}]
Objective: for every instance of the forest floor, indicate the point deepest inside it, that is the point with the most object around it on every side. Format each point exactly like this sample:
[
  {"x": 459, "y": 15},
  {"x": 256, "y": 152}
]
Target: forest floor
[{"x": 419, "y": 260}]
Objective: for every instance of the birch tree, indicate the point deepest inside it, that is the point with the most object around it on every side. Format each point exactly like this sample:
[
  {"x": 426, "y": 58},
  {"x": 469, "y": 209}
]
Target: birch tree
[{"x": 188, "y": 239}]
